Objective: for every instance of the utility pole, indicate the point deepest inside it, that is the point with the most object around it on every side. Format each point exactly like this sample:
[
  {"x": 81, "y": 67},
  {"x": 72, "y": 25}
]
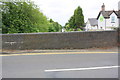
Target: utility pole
[
  {"x": 119, "y": 12},
  {"x": 119, "y": 39}
]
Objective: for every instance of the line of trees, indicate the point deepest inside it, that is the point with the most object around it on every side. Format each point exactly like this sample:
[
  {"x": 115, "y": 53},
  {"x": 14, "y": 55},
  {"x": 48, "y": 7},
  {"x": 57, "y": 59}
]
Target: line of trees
[
  {"x": 76, "y": 22},
  {"x": 25, "y": 17}
]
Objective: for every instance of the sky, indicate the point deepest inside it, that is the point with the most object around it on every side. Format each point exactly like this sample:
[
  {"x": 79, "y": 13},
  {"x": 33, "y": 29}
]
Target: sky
[{"x": 61, "y": 10}]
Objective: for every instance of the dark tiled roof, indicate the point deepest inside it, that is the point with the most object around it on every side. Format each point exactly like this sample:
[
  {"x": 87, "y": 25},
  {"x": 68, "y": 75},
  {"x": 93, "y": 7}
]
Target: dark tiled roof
[
  {"x": 107, "y": 14},
  {"x": 93, "y": 21}
]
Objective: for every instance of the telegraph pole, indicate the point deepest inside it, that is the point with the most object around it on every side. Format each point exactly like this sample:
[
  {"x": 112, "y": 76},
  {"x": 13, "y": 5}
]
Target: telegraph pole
[{"x": 119, "y": 40}]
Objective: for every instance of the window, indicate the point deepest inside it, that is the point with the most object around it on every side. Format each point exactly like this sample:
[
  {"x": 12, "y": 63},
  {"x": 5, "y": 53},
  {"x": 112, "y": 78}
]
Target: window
[{"x": 113, "y": 19}]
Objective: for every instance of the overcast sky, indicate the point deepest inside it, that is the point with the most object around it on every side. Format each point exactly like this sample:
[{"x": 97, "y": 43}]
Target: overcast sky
[{"x": 61, "y": 10}]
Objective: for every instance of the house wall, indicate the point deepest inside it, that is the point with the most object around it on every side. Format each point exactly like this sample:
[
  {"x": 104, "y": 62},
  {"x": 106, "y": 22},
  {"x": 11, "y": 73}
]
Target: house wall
[
  {"x": 106, "y": 23},
  {"x": 101, "y": 24},
  {"x": 94, "y": 27},
  {"x": 109, "y": 24},
  {"x": 88, "y": 26}
]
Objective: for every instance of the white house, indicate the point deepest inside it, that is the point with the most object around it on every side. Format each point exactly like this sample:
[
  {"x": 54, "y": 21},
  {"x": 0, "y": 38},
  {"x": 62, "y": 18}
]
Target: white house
[
  {"x": 107, "y": 20},
  {"x": 92, "y": 24}
]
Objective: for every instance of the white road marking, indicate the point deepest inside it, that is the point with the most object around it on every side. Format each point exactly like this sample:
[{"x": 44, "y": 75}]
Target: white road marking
[{"x": 80, "y": 69}]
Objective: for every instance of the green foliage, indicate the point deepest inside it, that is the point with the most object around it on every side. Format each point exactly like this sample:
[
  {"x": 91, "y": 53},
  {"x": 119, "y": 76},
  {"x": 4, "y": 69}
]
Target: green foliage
[
  {"x": 71, "y": 29},
  {"x": 54, "y": 26},
  {"x": 51, "y": 21},
  {"x": 79, "y": 29},
  {"x": 25, "y": 17},
  {"x": 76, "y": 21},
  {"x": 79, "y": 18}
]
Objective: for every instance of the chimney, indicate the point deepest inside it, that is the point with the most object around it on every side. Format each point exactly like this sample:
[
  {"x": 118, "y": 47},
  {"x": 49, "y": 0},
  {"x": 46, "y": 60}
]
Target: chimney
[{"x": 103, "y": 7}]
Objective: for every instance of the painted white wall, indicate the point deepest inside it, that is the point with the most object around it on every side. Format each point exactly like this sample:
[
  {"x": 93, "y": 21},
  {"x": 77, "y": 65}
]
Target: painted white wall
[
  {"x": 109, "y": 22},
  {"x": 101, "y": 24},
  {"x": 63, "y": 29},
  {"x": 88, "y": 26},
  {"x": 94, "y": 27}
]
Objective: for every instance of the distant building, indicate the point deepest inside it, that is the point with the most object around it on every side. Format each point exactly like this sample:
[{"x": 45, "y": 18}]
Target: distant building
[
  {"x": 63, "y": 29},
  {"x": 106, "y": 20},
  {"x": 92, "y": 24}
]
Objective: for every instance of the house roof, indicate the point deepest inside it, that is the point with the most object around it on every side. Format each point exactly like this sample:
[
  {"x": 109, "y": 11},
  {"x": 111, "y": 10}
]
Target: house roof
[
  {"x": 107, "y": 14},
  {"x": 93, "y": 21}
]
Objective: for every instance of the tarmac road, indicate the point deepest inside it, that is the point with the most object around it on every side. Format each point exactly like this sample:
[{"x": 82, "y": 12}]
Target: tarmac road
[{"x": 74, "y": 65}]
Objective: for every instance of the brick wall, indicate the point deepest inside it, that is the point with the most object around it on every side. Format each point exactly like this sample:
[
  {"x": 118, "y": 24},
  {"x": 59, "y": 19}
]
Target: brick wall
[{"x": 58, "y": 40}]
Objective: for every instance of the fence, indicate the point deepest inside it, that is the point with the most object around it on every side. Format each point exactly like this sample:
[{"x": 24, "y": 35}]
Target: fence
[{"x": 59, "y": 40}]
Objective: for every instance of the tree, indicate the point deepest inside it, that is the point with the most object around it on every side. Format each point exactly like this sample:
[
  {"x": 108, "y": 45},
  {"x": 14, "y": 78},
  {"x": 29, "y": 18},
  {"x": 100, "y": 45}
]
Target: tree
[
  {"x": 72, "y": 22},
  {"x": 22, "y": 17},
  {"x": 54, "y": 26},
  {"x": 51, "y": 21},
  {"x": 76, "y": 21},
  {"x": 79, "y": 18}
]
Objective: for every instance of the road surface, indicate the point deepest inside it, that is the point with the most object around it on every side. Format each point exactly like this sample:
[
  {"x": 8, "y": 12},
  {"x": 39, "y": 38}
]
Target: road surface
[{"x": 71, "y": 65}]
